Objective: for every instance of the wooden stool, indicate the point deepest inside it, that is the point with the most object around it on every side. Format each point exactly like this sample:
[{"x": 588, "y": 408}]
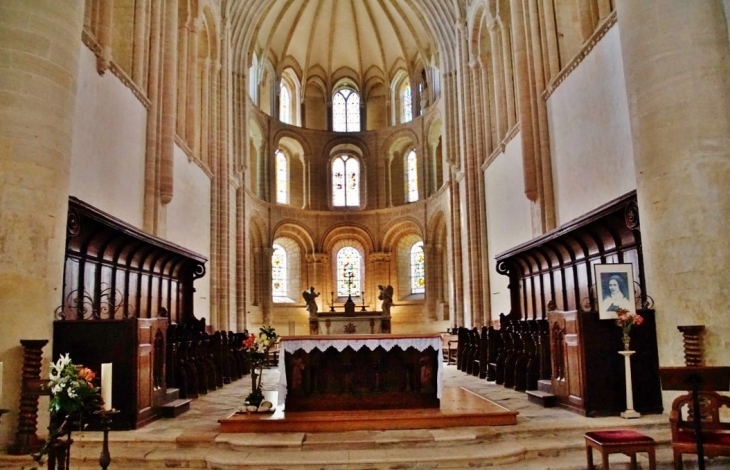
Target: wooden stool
[{"x": 623, "y": 441}]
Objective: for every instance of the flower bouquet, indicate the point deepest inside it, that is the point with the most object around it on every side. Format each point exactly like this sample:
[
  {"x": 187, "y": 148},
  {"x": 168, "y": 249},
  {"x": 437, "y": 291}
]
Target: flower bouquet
[
  {"x": 73, "y": 397},
  {"x": 256, "y": 351},
  {"x": 627, "y": 319}
]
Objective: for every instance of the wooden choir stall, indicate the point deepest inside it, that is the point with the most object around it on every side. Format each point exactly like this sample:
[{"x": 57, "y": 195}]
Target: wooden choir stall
[
  {"x": 553, "y": 290},
  {"x": 124, "y": 291}
]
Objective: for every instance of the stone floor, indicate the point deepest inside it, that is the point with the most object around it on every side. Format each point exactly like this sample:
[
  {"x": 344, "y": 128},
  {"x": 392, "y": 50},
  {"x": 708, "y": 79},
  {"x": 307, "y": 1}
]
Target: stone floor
[{"x": 544, "y": 438}]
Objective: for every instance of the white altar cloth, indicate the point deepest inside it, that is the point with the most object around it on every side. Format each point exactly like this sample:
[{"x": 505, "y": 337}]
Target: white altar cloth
[{"x": 308, "y": 343}]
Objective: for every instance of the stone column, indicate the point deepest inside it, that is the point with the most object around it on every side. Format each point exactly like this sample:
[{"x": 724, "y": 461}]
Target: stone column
[
  {"x": 524, "y": 102},
  {"x": 182, "y": 77},
  {"x": 265, "y": 283},
  {"x": 191, "y": 113},
  {"x": 207, "y": 117},
  {"x": 104, "y": 35},
  {"x": 509, "y": 87},
  {"x": 141, "y": 43},
  {"x": 498, "y": 77},
  {"x": 677, "y": 63},
  {"x": 547, "y": 20},
  {"x": 151, "y": 172},
  {"x": 585, "y": 16},
  {"x": 169, "y": 102},
  {"x": 39, "y": 75}
]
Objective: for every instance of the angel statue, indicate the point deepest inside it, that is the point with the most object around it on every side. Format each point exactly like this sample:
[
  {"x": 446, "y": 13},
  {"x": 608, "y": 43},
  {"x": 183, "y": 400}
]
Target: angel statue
[
  {"x": 309, "y": 298},
  {"x": 386, "y": 295}
]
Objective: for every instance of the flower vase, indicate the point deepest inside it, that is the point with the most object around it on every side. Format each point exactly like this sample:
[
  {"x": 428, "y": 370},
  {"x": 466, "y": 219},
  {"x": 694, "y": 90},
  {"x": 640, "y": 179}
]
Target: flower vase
[
  {"x": 256, "y": 396},
  {"x": 627, "y": 341}
]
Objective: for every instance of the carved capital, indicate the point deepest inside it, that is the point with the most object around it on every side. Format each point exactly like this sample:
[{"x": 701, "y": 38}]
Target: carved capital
[{"x": 379, "y": 257}]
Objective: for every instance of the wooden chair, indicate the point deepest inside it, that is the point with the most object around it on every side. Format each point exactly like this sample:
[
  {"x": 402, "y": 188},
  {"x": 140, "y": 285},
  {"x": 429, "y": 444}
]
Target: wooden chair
[{"x": 715, "y": 433}]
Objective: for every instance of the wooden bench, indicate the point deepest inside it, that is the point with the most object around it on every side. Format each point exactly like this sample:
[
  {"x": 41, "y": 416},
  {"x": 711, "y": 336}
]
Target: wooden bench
[
  {"x": 715, "y": 433},
  {"x": 619, "y": 441}
]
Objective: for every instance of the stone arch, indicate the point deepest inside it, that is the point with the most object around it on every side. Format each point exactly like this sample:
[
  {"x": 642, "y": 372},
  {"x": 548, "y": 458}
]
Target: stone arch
[
  {"x": 394, "y": 150},
  {"x": 398, "y": 239},
  {"x": 438, "y": 276},
  {"x": 295, "y": 231}
]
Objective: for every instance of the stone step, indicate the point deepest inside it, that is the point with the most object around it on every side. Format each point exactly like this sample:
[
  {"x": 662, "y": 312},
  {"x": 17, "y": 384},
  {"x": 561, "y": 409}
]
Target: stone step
[
  {"x": 541, "y": 398},
  {"x": 171, "y": 394},
  {"x": 175, "y": 408},
  {"x": 454, "y": 448},
  {"x": 545, "y": 386}
]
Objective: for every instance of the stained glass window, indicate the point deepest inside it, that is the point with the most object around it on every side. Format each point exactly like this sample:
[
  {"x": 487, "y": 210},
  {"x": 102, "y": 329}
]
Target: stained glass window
[
  {"x": 412, "y": 176},
  {"x": 282, "y": 178},
  {"x": 418, "y": 270},
  {"x": 345, "y": 181},
  {"x": 278, "y": 272},
  {"x": 346, "y": 111},
  {"x": 348, "y": 272},
  {"x": 284, "y": 105},
  {"x": 407, "y": 104}
]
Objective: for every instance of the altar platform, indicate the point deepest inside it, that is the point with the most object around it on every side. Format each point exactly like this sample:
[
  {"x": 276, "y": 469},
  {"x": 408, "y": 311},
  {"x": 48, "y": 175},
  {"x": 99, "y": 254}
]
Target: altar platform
[{"x": 459, "y": 407}]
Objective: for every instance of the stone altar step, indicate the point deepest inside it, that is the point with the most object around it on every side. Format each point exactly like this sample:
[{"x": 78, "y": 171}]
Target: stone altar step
[
  {"x": 175, "y": 408},
  {"x": 501, "y": 447},
  {"x": 541, "y": 398}
]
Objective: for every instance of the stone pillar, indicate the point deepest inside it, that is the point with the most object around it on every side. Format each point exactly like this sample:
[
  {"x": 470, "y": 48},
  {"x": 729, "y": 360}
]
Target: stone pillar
[
  {"x": 206, "y": 119},
  {"x": 524, "y": 110},
  {"x": 547, "y": 20},
  {"x": 182, "y": 77},
  {"x": 509, "y": 87},
  {"x": 169, "y": 102},
  {"x": 141, "y": 43},
  {"x": 191, "y": 129},
  {"x": 151, "y": 175},
  {"x": 677, "y": 63},
  {"x": 498, "y": 77},
  {"x": 585, "y": 16},
  {"x": 104, "y": 35},
  {"x": 265, "y": 283},
  {"x": 38, "y": 86}
]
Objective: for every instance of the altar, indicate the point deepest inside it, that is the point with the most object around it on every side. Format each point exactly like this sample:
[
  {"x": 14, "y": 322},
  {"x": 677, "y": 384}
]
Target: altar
[
  {"x": 360, "y": 372},
  {"x": 361, "y": 323}
]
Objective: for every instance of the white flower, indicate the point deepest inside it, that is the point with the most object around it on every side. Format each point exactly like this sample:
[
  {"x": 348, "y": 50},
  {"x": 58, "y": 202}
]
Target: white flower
[
  {"x": 72, "y": 392},
  {"x": 56, "y": 389}
]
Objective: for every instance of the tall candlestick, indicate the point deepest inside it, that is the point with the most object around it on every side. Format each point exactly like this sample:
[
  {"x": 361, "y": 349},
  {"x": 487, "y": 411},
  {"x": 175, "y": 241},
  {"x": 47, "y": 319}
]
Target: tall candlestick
[{"x": 106, "y": 385}]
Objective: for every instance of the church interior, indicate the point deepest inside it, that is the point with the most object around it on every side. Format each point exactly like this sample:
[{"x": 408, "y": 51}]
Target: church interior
[{"x": 521, "y": 177}]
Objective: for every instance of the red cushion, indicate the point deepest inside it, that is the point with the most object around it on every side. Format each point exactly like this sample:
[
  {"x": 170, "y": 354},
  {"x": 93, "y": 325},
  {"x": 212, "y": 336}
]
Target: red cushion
[
  {"x": 708, "y": 437},
  {"x": 618, "y": 436}
]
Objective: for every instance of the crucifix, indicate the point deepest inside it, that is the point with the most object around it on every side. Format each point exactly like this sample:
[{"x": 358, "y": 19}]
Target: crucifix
[
  {"x": 349, "y": 304},
  {"x": 349, "y": 276}
]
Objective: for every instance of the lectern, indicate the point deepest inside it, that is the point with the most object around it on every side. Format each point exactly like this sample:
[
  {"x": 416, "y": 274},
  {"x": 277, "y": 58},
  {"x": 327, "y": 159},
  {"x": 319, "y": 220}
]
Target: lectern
[{"x": 696, "y": 379}]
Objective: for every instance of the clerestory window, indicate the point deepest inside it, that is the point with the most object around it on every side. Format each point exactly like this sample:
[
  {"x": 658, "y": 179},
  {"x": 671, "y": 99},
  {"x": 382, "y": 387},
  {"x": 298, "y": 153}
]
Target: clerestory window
[
  {"x": 282, "y": 178},
  {"x": 345, "y": 181},
  {"x": 411, "y": 166},
  {"x": 346, "y": 111}
]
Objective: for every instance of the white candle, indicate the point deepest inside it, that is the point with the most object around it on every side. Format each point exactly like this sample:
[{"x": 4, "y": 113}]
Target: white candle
[{"x": 106, "y": 385}]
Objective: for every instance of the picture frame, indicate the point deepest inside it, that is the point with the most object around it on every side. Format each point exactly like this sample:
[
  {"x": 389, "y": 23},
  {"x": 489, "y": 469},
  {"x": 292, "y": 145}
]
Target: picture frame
[{"x": 614, "y": 289}]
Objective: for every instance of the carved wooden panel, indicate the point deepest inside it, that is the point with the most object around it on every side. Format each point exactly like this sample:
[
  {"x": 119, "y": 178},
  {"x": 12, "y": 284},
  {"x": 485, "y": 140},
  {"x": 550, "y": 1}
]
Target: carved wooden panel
[{"x": 114, "y": 270}]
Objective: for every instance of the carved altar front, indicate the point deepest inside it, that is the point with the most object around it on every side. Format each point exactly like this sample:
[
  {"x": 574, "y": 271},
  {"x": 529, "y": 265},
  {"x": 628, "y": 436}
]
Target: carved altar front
[{"x": 360, "y": 372}]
